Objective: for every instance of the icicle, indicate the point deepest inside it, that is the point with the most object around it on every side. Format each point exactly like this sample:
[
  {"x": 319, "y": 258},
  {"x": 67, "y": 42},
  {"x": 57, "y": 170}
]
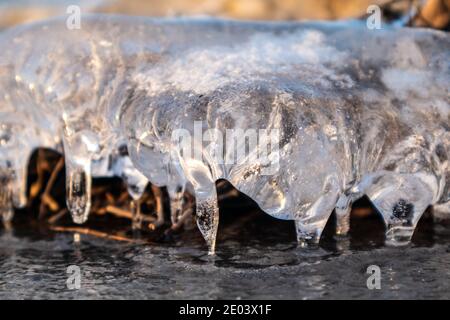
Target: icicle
[
  {"x": 159, "y": 208},
  {"x": 78, "y": 151},
  {"x": 19, "y": 183},
  {"x": 208, "y": 215},
  {"x": 6, "y": 208},
  {"x": 78, "y": 189},
  {"x": 176, "y": 194},
  {"x": 401, "y": 200},
  {"x": 310, "y": 225},
  {"x": 175, "y": 187},
  {"x": 136, "y": 222},
  {"x": 343, "y": 209},
  {"x": 441, "y": 211},
  {"x": 199, "y": 174},
  {"x": 136, "y": 184}
]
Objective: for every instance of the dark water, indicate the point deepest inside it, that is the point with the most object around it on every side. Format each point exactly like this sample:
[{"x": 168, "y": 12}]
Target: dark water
[{"x": 33, "y": 265}]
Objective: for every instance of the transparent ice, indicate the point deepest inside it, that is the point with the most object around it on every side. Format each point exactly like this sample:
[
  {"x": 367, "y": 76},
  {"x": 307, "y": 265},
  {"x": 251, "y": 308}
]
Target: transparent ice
[
  {"x": 59, "y": 90},
  {"x": 361, "y": 112}
]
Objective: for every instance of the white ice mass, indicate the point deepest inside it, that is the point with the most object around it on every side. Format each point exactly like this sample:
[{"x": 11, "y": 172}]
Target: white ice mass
[{"x": 360, "y": 112}]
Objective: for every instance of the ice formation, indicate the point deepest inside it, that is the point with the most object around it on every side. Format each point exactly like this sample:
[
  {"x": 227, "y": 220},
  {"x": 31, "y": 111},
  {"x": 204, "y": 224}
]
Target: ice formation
[
  {"x": 59, "y": 94},
  {"x": 358, "y": 111}
]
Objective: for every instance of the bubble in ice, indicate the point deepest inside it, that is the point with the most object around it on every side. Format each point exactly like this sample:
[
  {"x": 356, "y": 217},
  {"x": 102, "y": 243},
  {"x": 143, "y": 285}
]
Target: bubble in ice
[{"x": 358, "y": 112}]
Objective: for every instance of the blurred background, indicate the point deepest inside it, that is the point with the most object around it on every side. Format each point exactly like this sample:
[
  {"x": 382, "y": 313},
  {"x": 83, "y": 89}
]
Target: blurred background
[{"x": 426, "y": 13}]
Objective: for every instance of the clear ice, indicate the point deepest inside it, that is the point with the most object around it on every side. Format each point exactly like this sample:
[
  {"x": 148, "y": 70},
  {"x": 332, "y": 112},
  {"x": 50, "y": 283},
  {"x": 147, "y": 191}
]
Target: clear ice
[{"x": 359, "y": 111}]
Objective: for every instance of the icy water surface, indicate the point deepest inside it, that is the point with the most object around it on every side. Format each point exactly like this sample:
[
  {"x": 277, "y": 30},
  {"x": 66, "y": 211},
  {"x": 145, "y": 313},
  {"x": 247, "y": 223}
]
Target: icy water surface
[{"x": 33, "y": 266}]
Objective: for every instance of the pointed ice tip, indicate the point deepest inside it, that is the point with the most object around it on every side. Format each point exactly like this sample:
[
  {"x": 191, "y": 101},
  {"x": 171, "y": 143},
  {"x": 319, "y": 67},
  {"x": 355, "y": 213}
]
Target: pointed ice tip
[
  {"x": 79, "y": 213},
  {"x": 6, "y": 207},
  {"x": 211, "y": 248},
  {"x": 308, "y": 243},
  {"x": 79, "y": 219},
  {"x": 342, "y": 230},
  {"x": 20, "y": 200},
  {"x": 208, "y": 220},
  {"x": 397, "y": 236},
  {"x": 78, "y": 193},
  {"x": 210, "y": 238},
  {"x": 308, "y": 235},
  {"x": 308, "y": 239},
  {"x": 6, "y": 213}
]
